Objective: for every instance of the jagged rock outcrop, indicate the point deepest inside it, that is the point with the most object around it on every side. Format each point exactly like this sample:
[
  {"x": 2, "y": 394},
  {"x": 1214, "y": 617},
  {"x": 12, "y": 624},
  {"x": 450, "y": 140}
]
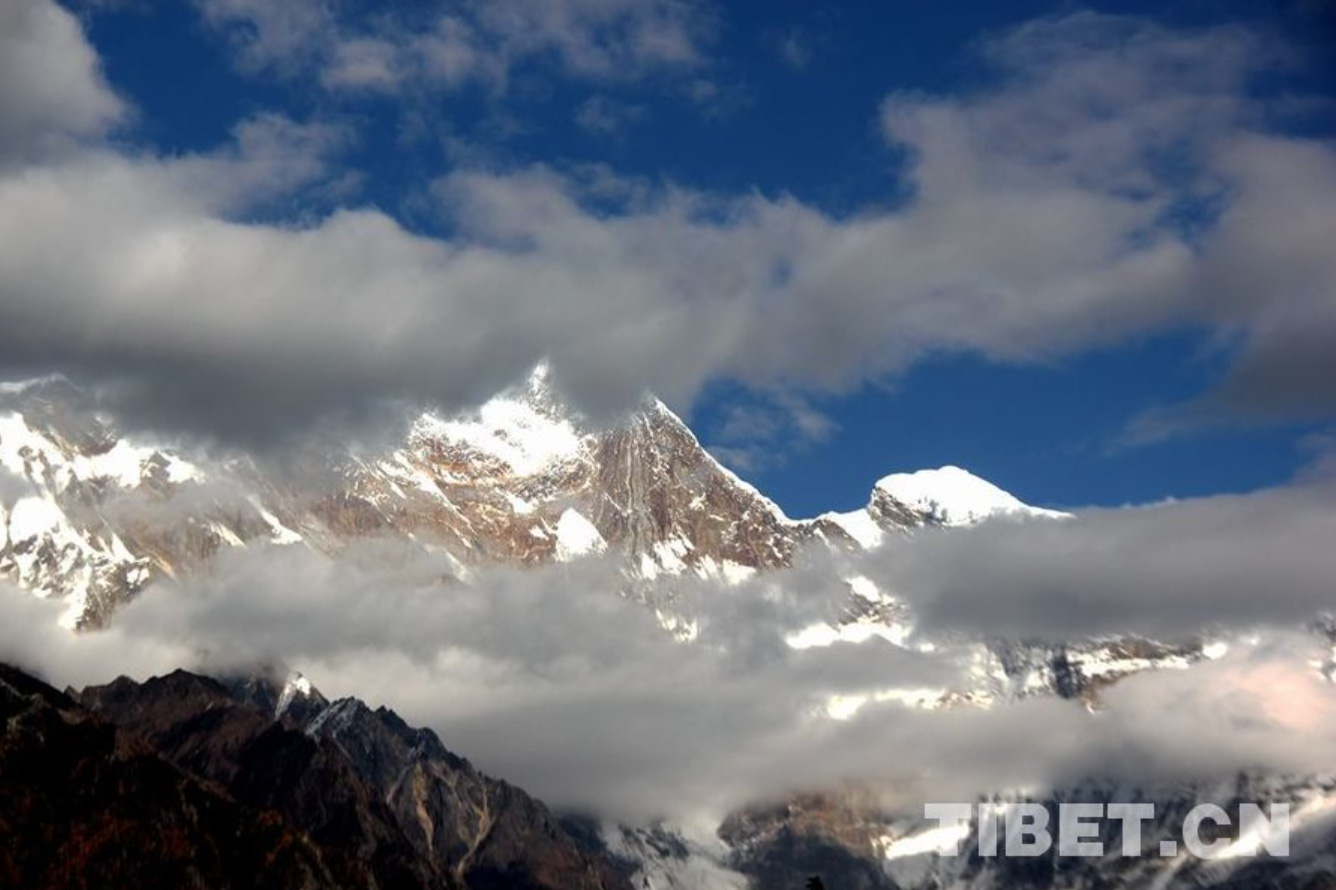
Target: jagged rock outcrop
[
  {"x": 358, "y": 781},
  {"x": 91, "y": 518},
  {"x": 88, "y": 804}
]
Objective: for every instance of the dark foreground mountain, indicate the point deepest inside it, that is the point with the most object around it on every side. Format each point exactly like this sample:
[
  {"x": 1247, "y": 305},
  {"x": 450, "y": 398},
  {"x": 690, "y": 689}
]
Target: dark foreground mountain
[
  {"x": 183, "y": 781},
  {"x": 87, "y": 804},
  {"x": 187, "y": 781}
]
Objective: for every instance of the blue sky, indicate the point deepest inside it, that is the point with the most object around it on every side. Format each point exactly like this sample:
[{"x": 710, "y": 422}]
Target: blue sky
[{"x": 793, "y": 128}]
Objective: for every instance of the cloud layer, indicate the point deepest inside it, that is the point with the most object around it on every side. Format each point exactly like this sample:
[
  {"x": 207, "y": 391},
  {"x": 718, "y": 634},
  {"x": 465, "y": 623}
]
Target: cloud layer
[
  {"x": 1116, "y": 178},
  {"x": 1165, "y": 570},
  {"x": 52, "y": 92}
]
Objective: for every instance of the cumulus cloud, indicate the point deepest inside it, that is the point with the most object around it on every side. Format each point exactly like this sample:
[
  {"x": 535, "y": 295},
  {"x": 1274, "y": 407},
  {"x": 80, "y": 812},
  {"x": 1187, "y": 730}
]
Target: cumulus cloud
[
  {"x": 1115, "y": 179},
  {"x": 1167, "y": 570},
  {"x": 52, "y": 92}
]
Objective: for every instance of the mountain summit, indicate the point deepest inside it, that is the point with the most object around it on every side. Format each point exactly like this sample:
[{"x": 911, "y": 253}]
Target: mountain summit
[{"x": 92, "y": 515}]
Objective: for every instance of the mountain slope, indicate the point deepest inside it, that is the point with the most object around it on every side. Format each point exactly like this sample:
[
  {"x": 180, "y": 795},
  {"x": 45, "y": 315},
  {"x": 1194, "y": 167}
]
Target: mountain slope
[
  {"x": 91, "y": 517},
  {"x": 89, "y": 805},
  {"x": 358, "y": 781}
]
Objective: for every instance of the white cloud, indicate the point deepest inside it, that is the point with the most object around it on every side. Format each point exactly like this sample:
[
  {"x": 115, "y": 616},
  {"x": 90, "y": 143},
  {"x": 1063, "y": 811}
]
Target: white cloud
[
  {"x": 1165, "y": 570},
  {"x": 52, "y": 92},
  {"x": 596, "y": 707},
  {"x": 447, "y": 46},
  {"x": 1044, "y": 222},
  {"x": 285, "y": 36}
]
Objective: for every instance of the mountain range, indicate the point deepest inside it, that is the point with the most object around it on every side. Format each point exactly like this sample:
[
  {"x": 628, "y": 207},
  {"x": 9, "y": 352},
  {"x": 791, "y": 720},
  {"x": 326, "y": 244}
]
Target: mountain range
[{"x": 234, "y": 776}]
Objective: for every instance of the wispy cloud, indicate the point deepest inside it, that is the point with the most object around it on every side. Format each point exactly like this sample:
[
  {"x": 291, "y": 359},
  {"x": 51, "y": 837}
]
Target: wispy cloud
[
  {"x": 756, "y": 434},
  {"x": 601, "y": 115},
  {"x": 453, "y": 45},
  {"x": 796, "y": 48}
]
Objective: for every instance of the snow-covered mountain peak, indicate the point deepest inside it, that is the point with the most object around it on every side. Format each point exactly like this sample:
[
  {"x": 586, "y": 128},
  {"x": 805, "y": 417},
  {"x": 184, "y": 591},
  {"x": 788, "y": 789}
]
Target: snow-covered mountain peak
[
  {"x": 524, "y": 479},
  {"x": 953, "y": 496},
  {"x": 526, "y": 428}
]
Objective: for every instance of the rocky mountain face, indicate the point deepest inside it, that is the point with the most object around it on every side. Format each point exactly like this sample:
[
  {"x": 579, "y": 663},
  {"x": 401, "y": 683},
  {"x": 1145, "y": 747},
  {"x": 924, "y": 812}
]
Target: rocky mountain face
[
  {"x": 89, "y": 804},
  {"x": 375, "y": 802},
  {"x": 187, "y": 781},
  {"x": 91, "y": 517}
]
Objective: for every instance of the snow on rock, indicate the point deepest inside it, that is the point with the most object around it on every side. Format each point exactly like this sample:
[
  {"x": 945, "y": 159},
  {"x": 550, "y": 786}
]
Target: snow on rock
[
  {"x": 518, "y": 428},
  {"x": 943, "y": 839},
  {"x": 280, "y": 533},
  {"x": 1100, "y": 662},
  {"x": 670, "y": 858},
  {"x": 20, "y": 447},
  {"x": 845, "y": 706},
  {"x": 576, "y": 536},
  {"x": 668, "y": 556},
  {"x": 859, "y": 525},
  {"x": 825, "y": 634},
  {"x": 296, "y": 687},
  {"x": 954, "y": 497},
  {"x": 925, "y": 858}
]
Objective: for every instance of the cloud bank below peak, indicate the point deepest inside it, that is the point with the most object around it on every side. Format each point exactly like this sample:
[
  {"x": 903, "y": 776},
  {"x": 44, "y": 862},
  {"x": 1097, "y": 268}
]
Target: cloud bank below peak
[{"x": 596, "y": 708}]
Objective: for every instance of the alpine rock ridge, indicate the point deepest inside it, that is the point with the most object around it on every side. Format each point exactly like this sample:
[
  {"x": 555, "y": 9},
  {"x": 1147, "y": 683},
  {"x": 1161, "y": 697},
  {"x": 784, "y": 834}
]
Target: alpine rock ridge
[{"x": 92, "y": 516}]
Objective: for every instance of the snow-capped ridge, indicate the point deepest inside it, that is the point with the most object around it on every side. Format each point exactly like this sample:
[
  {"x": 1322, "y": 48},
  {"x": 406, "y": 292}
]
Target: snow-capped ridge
[
  {"x": 524, "y": 479},
  {"x": 859, "y": 525},
  {"x": 296, "y": 687},
  {"x": 656, "y": 405},
  {"x": 525, "y": 427},
  {"x": 953, "y": 496}
]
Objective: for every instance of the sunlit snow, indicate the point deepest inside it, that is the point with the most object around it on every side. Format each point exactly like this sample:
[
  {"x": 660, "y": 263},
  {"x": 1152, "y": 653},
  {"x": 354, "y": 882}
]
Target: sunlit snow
[
  {"x": 953, "y": 496},
  {"x": 576, "y": 536}
]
